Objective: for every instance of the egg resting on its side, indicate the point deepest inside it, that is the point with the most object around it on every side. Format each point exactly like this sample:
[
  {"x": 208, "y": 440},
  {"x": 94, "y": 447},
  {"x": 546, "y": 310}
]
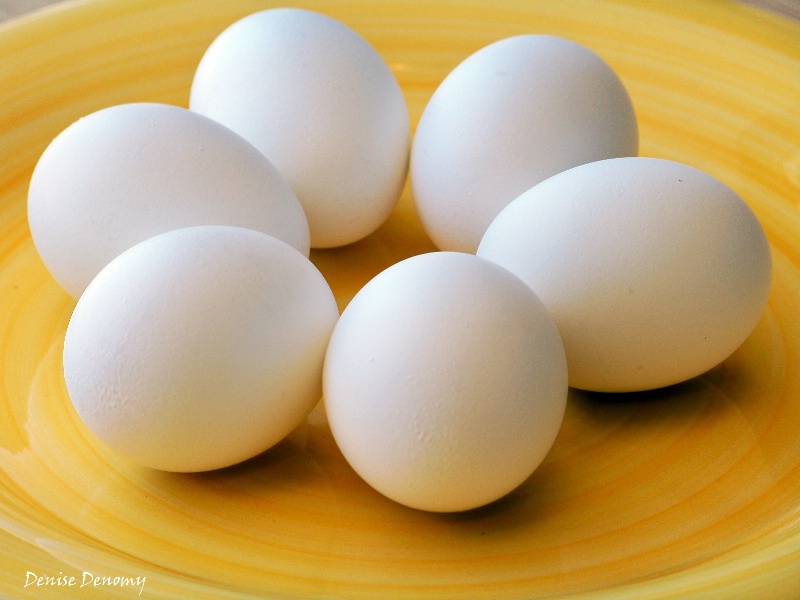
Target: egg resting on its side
[
  {"x": 199, "y": 348},
  {"x": 320, "y": 102},
  {"x": 653, "y": 270},
  {"x": 509, "y": 116},
  {"x": 445, "y": 382},
  {"x": 128, "y": 172}
]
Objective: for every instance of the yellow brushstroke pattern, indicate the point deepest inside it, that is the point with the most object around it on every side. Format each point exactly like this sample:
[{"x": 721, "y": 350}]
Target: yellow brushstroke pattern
[{"x": 688, "y": 492}]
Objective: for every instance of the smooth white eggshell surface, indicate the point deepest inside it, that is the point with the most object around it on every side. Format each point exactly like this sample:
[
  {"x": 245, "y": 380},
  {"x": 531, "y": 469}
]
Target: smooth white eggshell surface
[
  {"x": 126, "y": 173},
  {"x": 319, "y": 101},
  {"x": 653, "y": 270},
  {"x": 445, "y": 382},
  {"x": 509, "y": 116},
  {"x": 199, "y": 348}
]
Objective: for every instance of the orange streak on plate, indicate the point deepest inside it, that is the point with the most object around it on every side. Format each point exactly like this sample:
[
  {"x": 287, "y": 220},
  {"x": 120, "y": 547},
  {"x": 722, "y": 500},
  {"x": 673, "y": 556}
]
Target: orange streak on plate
[{"x": 685, "y": 492}]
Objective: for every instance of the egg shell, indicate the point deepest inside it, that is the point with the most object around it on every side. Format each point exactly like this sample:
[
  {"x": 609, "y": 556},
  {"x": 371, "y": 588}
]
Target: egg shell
[
  {"x": 199, "y": 348},
  {"x": 126, "y": 173},
  {"x": 319, "y": 101},
  {"x": 509, "y": 116},
  {"x": 653, "y": 270},
  {"x": 445, "y": 382}
]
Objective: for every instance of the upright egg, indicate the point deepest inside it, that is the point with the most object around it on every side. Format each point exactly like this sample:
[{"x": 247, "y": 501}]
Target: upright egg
[
  {"x": 126, "y": 173},
  {"x": 653, "y": 270},
  {"x": 199, "y": 348},
  {"x": 509, "y": 116},
  {"x": 445, "y": 382},
  {"x": 318, "y": 100}
]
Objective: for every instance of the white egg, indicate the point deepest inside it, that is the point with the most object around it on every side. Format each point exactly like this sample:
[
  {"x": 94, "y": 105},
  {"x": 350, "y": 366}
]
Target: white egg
[
  {"x": 445, "y": 382},
  {"x": 509, "y": 116},
  {"x": 319, "y": 101},
  {"x": 654, "y": 271},
  {"x": 199, "y": 348},
  {"x": 126, "y": 173}
]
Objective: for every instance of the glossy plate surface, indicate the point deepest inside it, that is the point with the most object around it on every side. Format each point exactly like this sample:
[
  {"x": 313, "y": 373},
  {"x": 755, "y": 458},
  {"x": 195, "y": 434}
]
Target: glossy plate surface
[{"x": 692, "y": 491}]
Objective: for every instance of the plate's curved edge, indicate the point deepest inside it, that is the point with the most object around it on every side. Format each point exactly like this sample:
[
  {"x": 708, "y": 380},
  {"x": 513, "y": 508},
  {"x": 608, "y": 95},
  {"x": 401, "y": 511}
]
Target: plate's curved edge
[
  {"x": 751, "y": 566},
  {"x": 786, "y": 9},
  {"x": 27, "y": 19}
]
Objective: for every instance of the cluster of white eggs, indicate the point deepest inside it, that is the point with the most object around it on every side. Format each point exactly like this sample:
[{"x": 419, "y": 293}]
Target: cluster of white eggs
[{"x": 203, "y": 334}]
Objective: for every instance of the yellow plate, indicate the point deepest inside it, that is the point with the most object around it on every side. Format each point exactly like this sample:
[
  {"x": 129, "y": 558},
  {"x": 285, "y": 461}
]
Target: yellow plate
[{"x": 692, "y": 491}]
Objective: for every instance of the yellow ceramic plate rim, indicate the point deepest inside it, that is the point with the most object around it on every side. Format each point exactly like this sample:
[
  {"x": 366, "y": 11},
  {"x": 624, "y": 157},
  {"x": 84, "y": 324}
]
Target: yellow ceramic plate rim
[{"x": 688, "y": 492}]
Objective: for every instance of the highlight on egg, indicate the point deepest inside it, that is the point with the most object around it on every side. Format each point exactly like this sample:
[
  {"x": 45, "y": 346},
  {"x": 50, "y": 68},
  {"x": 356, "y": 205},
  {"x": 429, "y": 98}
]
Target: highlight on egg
[
  {"x": 322, "y": 104},
  {"x": 125, "y": 173},
  {"x": 507, "y": 117},
  {"x": 445, "y": 382},
  {"x": 199, "y": 348},
  {"x": 653, "y": 270}
]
